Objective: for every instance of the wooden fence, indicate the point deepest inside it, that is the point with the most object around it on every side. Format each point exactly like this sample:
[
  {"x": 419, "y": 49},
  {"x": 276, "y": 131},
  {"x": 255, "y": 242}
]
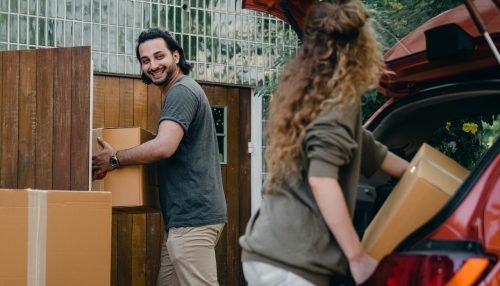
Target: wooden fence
[
  {"x": 45, "y": 125},
  {"x": 44, "y": 118}
]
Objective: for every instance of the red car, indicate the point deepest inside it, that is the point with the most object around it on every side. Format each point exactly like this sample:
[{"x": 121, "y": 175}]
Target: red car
[{"x": 447, "y": 69}]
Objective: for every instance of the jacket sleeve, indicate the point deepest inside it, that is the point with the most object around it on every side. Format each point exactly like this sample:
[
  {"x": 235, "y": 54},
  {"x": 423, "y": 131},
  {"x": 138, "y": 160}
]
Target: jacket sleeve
[
  {"x": 373, "y": 153},
  {"x": 329, "y": 143}
]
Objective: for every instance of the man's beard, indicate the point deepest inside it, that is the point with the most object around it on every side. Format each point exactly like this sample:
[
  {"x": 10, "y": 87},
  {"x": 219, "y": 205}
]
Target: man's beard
[{"x": 170, "y": 71}]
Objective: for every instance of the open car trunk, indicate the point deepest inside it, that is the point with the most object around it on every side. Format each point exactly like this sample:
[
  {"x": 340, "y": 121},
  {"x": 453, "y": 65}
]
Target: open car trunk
[
  {"x": 409, "y": 122},
  {"x": 464, "y": 230}
]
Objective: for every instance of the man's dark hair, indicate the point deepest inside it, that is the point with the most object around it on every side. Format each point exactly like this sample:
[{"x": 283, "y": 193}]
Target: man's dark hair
[{"x": 172, "y": 45}]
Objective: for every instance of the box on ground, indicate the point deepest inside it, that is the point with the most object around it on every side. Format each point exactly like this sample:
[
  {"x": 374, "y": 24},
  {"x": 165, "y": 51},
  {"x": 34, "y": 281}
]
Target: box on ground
[
  {"x": 55, "y": 238},
  {"x": 430, "y": 180},
  {"x": 129, "y": 185}
]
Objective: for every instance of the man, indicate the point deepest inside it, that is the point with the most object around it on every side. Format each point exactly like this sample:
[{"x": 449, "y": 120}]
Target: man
[{"x": 185, "y": 149}]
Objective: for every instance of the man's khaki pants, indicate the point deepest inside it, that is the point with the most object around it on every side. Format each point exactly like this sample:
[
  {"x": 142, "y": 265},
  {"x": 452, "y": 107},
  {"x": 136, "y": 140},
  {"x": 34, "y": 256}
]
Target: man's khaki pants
[{"x": 188, "y": 256}]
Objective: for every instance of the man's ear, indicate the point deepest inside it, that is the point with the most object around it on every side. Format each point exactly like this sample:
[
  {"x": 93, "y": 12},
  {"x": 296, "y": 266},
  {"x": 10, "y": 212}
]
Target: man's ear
[{"x": 177, "y": 56}]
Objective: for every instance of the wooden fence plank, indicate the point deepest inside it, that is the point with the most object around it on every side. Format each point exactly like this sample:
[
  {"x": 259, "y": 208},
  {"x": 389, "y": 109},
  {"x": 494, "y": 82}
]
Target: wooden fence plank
[
  {"x": 126, "y": 93},
  {"x": 27, "y": 119},
  {"x": 124, "y": 250},
  {"x": 1, "y": 111},
  {"x": 10, "y": 123},
  {"x": 139, "y": 243},
  {"x": 155, "y": 100},
  {"x": 112, "y": 102},
  {"x": 80, "y": 119},
  {"x": 61, "y": 174},
  {"x": 155, "y": 231},
  {"x": 244, "y": 188},
  {"x": 44, "y": 118},
  {"x": 116, "y": 218},
  {"x": 154, "y": 107},
  {"x": 232, "y": 193},
  {"x": 99, "y": 103},
  {"x": 140, "y": 104}
]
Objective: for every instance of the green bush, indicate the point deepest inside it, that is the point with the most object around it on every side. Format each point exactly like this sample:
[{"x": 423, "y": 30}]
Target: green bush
[{"x": 466, "y": 140}]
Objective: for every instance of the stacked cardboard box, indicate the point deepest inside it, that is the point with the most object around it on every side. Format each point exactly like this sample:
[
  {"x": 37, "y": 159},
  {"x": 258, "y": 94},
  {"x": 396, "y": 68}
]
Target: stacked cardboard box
[
  {"x": 431, "y": 179},
  {"x": 129, "y": 185},
  {"x": 55, "y": 238}
]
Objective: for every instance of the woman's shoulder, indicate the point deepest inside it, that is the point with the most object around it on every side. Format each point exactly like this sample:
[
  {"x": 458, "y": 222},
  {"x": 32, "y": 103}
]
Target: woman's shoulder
[{"x": 332, "y": 113}]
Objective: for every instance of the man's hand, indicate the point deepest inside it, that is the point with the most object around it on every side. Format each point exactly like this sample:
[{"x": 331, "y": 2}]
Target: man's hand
[{"x": 100, "y": 161}]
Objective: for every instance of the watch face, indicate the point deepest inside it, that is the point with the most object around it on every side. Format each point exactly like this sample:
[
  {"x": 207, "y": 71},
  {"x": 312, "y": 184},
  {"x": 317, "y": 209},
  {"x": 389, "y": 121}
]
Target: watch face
[{"x": 113, "y": 161}]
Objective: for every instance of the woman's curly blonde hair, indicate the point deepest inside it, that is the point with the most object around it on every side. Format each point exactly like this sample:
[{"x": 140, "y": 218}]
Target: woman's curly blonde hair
[{"x": 339, "y": 60}]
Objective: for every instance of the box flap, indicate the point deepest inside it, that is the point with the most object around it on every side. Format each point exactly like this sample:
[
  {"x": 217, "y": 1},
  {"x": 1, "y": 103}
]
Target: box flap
[
  {"x": 444, "y": 180},
  {"x": 430, "y": 153}
]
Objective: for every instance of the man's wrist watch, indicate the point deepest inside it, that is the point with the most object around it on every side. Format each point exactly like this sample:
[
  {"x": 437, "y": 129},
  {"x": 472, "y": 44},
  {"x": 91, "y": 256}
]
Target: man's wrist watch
[{"x": 113, "y": 161}]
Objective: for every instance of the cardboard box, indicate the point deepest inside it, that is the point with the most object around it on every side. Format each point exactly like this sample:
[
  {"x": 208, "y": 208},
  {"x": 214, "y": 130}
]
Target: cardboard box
[
  {"x": 129, "y": 185},
  {"x": 55, "y": 238},
  {"x": 431, "y": 179}
]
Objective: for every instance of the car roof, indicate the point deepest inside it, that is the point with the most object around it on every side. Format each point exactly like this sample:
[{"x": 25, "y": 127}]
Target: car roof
[
  {"x": 414, "y": 70},
  {"x": 408, "y": 58},
  {"x": 414, "y": 42},
  {"x": 290, "y": 11}
]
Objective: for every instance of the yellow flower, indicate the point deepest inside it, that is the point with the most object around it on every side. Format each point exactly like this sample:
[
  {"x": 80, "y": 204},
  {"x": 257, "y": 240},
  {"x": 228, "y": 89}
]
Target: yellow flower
[
  {"x": 448, "y": 125},
  {"x": 470, "y": 127},
  {"x": 394, "y": 4}
]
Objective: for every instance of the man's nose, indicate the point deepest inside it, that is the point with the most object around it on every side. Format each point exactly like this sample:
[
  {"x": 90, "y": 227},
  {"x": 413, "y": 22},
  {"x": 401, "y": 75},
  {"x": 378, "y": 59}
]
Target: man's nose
[{"x": 154, "y": 65}]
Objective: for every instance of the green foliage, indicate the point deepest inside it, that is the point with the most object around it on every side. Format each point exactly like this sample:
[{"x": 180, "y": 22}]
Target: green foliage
[
  {"x": 491, "y": 131},
  {"x": 465, "y": 140},
  {"x": 396, "y": 18},
  {"x": 370, "y": 102}
]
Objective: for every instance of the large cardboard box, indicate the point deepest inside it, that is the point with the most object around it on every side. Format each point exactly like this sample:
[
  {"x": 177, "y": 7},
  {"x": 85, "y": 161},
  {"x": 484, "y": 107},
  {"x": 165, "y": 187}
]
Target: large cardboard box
[
  {"x": 129, "y": 185},
  {"x": 55, "y": 238},
  {"x": 430, "y": 180}
]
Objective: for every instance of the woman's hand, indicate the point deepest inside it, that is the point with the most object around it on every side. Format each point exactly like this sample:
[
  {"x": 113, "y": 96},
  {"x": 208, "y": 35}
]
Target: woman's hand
[
  {"x": 362, "y": 267},
  {"x": 331, "y": 202}
]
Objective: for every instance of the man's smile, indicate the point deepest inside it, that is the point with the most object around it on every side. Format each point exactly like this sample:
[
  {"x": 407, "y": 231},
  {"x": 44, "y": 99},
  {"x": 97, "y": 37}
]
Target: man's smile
[{"x": 158, "y": 73}]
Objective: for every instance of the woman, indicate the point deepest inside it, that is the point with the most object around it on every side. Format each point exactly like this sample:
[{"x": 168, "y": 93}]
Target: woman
[{"x": 303, "y": 232}]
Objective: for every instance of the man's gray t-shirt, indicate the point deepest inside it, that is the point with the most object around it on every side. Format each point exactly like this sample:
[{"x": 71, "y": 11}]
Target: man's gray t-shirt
[{"x": 190, "y": 183}]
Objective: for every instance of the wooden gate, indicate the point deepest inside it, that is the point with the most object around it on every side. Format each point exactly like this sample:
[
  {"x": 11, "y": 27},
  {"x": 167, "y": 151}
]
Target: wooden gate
[{"x": 126, "y": 102}]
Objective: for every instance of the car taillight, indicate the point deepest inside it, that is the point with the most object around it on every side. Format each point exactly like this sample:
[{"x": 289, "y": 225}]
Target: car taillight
[{"x": 428, "y": 270}]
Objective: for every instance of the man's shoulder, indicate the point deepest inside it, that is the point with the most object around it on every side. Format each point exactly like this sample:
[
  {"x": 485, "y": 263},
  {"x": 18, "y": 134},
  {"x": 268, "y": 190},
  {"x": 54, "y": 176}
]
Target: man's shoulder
[{"x": 187, "y": 81}]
